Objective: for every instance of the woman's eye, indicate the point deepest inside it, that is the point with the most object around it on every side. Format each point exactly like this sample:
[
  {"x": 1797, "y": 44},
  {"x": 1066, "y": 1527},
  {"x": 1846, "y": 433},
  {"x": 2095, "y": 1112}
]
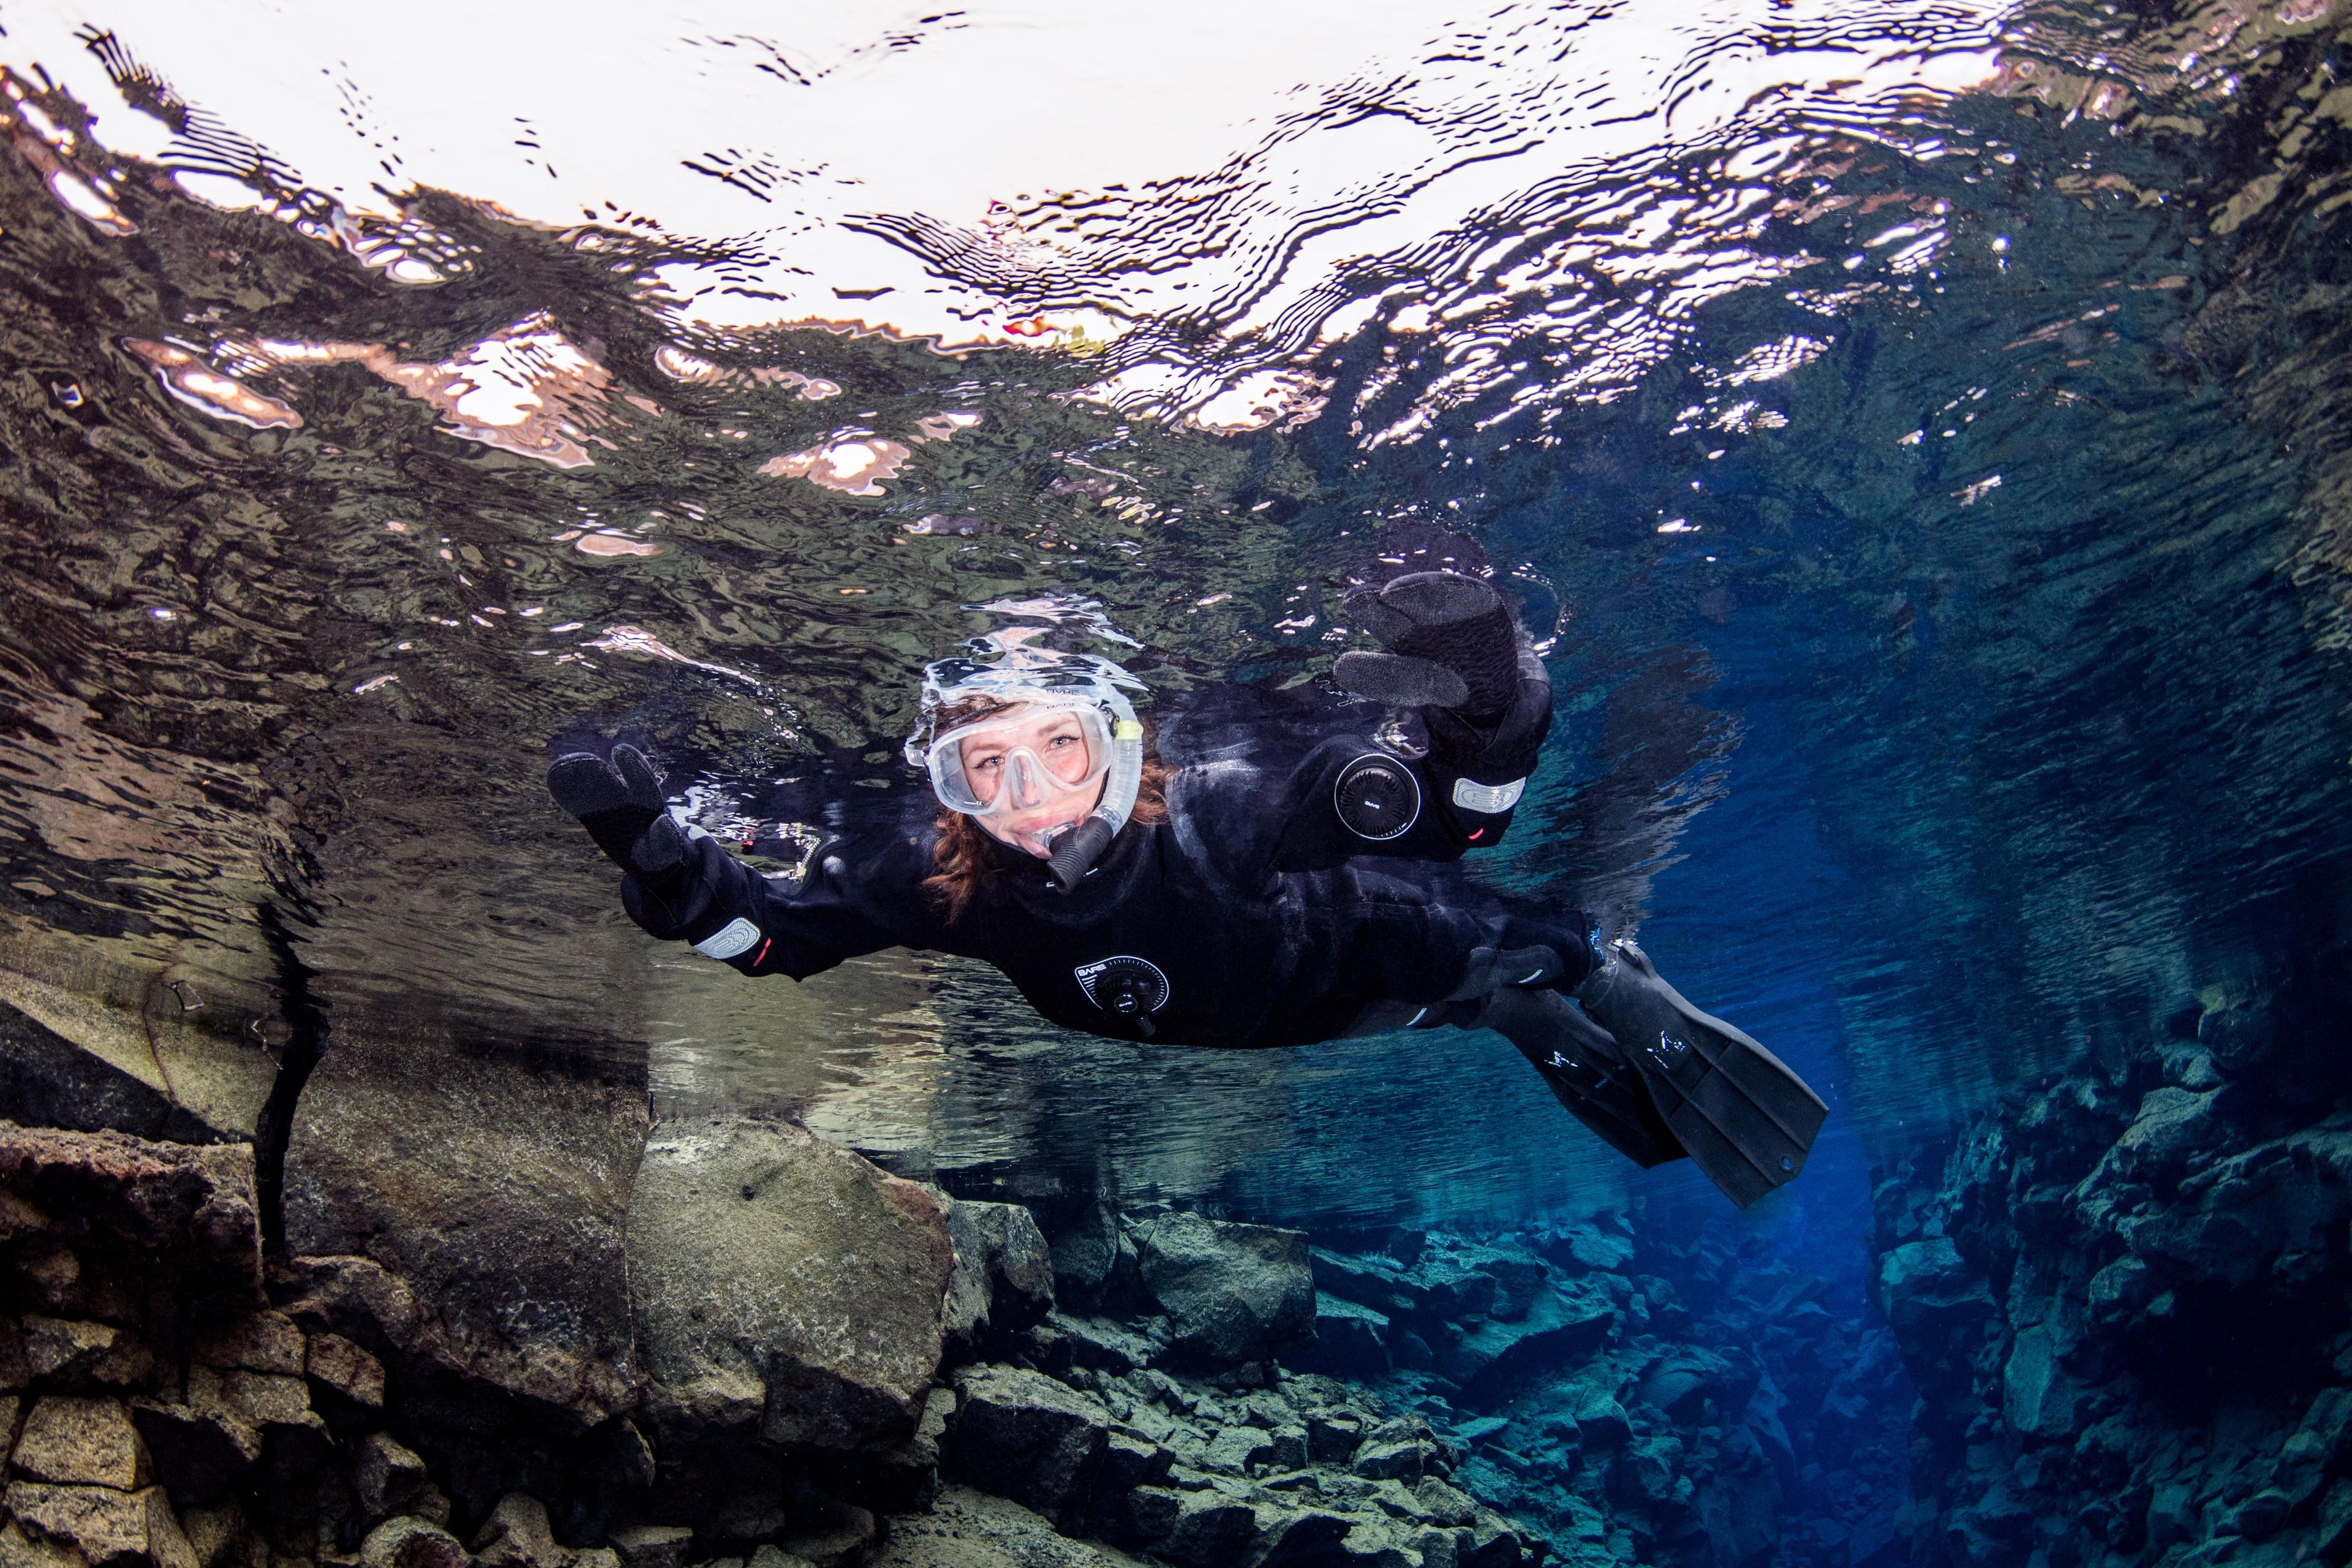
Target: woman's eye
[{"x": 984, "y": 763}]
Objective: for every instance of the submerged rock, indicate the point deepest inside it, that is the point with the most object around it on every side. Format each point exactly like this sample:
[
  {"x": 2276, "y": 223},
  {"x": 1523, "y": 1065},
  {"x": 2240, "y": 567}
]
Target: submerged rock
[
  {"x": 1003, "y": 1276},
  {"x": 411, "y": 1543},
  {"x": 1489, "y": 1358},
  {"x": 1350, "y": 1340},
  {"x": 771, "y": 1266},
  {"x": 1021, "y": 1434},
  {"x": 172, "y": 1211},
  {"x": 495, "y": 1190},
  {"x": 82, "y": 1442},
  {"x": 109, "y": 1529},
  {"x": 968, "y": 1529},
  {"x": 1232, "y": 1293}
]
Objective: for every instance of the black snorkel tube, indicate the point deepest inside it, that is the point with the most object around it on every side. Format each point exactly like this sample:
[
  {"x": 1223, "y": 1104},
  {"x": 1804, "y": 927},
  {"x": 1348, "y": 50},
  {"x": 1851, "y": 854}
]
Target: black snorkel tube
[{"x": 1076, "y": 850}]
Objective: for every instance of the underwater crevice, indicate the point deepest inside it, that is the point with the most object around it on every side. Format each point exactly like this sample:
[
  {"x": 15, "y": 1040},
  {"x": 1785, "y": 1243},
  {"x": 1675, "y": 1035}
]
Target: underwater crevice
[{"x": 306, "y": 1044}]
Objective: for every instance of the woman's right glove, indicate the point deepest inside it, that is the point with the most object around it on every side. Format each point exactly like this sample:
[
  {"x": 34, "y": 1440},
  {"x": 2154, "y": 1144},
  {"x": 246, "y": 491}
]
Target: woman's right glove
[
  {"x": 621, "y": 804},
  {"x": 1456, "y": 655}
]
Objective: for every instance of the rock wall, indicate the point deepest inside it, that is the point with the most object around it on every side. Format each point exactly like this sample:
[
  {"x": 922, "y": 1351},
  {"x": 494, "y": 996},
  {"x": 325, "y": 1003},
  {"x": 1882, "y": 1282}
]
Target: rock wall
[{"x": 2127, "y": 1301}]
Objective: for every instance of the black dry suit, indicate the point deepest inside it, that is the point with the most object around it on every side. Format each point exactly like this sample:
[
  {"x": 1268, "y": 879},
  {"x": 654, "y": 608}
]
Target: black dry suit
[
  {"x": 1254, "y": 915},
  {"x": 1306, "y": 883}
]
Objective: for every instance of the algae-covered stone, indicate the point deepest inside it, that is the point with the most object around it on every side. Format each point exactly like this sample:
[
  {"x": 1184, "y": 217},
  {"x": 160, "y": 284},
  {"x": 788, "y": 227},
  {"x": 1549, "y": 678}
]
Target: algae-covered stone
[
  {"x": 82, "y": 1442},
  {"x": 1232, "y": 1293},
  {"x": 759, "y": 1251}
]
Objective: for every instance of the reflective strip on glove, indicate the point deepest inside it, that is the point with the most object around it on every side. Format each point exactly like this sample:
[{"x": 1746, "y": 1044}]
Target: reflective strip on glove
[
  {"x": 732, "y": 940},
  {"x": 1489, "y": 800}
]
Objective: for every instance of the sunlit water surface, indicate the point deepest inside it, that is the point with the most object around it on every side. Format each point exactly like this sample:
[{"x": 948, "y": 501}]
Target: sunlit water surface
[{"x": 1916, "y": 431}]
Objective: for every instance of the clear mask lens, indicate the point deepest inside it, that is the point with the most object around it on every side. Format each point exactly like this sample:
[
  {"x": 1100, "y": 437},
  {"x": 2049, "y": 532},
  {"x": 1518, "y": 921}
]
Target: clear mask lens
[{"x": 1022, "y": 759}]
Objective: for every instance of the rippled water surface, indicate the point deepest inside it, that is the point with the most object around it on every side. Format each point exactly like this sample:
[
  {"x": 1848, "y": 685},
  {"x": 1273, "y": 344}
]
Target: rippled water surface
[{"x": 1918, "y": 432}]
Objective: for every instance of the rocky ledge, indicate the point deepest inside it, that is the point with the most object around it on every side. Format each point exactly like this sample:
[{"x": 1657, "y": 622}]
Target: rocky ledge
[{"x": 831, "y": 1366}]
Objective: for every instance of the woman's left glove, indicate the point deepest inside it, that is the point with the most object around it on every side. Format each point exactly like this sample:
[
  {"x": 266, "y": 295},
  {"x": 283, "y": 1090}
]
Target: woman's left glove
[
  {"x": 1455, "y": 654},
  {"x": 621, "y": 804}
]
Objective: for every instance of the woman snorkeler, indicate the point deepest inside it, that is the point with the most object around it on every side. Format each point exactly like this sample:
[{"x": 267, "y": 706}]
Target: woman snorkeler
[{"x": 1279, "y": 881}]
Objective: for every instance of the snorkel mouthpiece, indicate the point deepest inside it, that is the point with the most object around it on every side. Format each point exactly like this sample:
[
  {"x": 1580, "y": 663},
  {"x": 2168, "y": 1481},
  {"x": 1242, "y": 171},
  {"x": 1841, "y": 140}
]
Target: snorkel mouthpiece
[{"x": 1076, "y": 852}]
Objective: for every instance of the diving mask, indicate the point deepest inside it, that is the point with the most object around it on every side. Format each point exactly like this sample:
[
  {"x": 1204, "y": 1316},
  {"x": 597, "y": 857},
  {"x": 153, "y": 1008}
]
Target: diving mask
[
  {"x": 1021, "y": 757},
  {"x": 1012, "y": 735}
]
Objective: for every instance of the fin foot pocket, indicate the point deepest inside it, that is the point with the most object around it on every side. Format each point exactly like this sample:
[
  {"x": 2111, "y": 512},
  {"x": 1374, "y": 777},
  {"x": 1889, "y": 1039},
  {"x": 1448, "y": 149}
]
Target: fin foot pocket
[{"x": 1584, "y": 1069}]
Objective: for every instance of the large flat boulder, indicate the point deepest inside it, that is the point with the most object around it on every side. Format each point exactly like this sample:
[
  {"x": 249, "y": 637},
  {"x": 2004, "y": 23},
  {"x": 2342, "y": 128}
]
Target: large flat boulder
[
  {"x": 770, "y": 1264},
  {"x": 479, "y": 1188},
  {"x": 1232, "y": 1293}
]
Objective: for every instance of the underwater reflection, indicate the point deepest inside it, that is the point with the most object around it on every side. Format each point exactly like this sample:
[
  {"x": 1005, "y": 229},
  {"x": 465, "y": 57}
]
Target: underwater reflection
[{"x": 1912, "y": 438}]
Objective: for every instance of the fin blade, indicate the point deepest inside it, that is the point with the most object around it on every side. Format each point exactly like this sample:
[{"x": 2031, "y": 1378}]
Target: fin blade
[{"x": 1748, "y": 1120}]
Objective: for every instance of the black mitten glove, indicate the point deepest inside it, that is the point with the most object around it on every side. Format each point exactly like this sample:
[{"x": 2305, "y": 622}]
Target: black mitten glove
[
  {"x": 1455, "y": 654},
  {"x": 621, "y": 804}
]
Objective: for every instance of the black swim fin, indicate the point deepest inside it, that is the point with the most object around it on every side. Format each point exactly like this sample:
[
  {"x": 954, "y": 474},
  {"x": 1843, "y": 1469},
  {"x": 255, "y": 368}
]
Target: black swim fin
[
  {"x": 1746, "y": 1120},
  {"x": 1587, "y": 1073}
]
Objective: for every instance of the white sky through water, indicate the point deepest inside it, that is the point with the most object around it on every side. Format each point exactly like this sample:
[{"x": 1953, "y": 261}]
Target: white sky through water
[{"x": 1294, "y": 141}]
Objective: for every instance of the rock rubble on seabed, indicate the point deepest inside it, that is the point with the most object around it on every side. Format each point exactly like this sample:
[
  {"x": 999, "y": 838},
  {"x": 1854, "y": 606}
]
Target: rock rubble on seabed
[
  {"x": 514, "y": 1321},
  {"x": 834, "y": 1366}
]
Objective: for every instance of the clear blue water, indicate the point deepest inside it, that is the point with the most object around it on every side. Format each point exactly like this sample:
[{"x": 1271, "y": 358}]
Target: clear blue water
[{"x": 1946, "y": 604}]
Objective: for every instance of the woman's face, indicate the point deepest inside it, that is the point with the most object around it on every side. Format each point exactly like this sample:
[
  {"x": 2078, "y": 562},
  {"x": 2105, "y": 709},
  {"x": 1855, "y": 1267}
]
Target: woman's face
[{"x": 1032, "y": 802}]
